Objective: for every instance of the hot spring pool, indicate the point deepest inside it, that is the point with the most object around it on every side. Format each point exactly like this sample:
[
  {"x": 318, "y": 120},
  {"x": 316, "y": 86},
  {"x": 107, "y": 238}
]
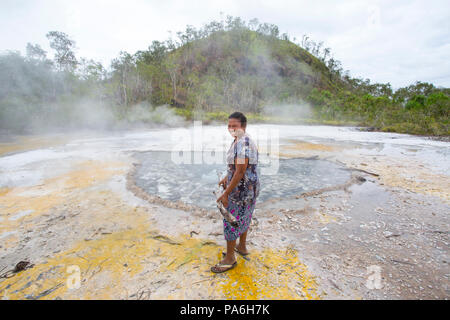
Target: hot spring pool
[{"x": 193, "y": 184}]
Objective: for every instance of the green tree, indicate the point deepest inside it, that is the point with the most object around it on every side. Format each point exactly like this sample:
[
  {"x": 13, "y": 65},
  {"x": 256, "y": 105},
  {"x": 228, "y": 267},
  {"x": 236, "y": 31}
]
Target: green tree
[{"x": 64, "y": 47}]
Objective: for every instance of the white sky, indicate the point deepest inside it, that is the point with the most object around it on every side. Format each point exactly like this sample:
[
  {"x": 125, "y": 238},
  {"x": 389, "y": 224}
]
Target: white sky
[{"x": 386, "y": 41}]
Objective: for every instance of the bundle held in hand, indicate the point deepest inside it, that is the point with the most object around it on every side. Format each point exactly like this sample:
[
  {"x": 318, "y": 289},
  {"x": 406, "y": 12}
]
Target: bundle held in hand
[{"x": 223, "y": 211}]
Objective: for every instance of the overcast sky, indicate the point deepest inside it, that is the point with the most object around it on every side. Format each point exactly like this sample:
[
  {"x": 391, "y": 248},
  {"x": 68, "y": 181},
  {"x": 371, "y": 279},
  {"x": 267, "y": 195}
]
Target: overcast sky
[{"x": 386, "y": 41}]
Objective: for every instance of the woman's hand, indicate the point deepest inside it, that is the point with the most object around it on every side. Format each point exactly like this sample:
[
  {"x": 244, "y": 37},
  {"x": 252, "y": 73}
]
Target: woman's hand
[
  {"x": 224, "y": 199},
  {"x": 223, "y": 183}
]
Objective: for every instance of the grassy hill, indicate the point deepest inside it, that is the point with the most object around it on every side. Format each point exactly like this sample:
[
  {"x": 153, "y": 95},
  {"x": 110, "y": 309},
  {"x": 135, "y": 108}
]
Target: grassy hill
[
  {"x": 244, "y": 69},
  {"x": 238, "y": 68}
]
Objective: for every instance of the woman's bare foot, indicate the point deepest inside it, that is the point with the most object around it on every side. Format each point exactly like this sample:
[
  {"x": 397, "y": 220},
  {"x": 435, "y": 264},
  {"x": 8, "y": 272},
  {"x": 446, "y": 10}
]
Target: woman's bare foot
[
  {"x": 224, "y": 265},
  {"x": 242, "y": 249},
  {"x": 227, "y": 260}
]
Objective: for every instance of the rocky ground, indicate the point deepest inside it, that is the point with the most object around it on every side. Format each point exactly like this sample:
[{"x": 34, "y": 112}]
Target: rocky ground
[{"x": 73, "y": 211}]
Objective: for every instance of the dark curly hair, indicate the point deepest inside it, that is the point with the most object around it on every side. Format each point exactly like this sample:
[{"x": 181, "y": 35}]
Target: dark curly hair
[{"x": 240, "y": 116}]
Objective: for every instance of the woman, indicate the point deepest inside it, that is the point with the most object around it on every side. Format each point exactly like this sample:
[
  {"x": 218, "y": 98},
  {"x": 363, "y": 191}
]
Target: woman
[{"x": 241, "y": 189}]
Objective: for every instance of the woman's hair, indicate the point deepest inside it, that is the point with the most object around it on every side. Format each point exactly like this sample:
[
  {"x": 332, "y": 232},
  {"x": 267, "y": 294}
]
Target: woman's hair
[{"x": 240, "y": 116}]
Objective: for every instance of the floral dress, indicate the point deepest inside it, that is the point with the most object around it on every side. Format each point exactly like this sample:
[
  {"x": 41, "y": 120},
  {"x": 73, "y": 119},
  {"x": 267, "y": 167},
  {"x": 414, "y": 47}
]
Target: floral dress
[{"x": 242, "y": 199}]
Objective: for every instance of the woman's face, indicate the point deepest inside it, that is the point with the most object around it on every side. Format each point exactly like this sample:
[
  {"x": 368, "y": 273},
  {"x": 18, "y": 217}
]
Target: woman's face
[{"x": 235, "y": 128}]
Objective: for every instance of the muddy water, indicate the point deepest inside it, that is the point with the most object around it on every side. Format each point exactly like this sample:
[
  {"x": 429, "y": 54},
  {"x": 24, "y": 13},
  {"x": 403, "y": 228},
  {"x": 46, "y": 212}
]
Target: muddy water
[{"x": 71, "y": 201}]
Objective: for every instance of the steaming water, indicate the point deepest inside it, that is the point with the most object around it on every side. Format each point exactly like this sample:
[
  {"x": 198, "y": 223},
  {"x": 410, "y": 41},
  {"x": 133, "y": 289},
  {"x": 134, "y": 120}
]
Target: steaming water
[
  {"x": 34, "y": 166},
  {"x": 194, "y": 183}
]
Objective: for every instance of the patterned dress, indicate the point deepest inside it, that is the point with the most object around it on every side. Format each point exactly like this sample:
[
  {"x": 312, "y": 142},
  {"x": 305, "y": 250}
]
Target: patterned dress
[{"x": 242, "y": 199}]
